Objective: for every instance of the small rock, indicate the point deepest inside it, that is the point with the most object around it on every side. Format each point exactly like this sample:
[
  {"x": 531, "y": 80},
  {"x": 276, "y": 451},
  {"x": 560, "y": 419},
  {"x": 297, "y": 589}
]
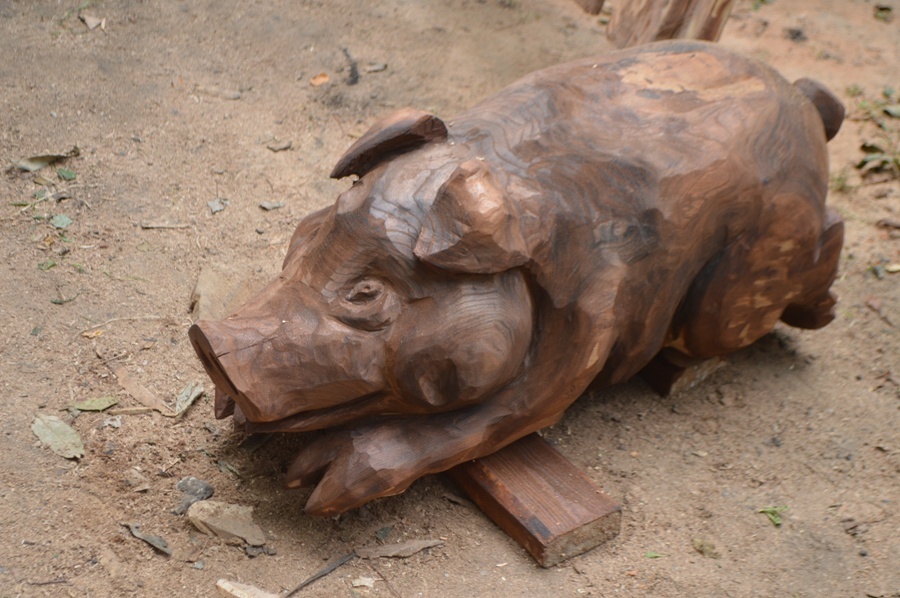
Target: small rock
[
  {"x": 280, "y": 146},
  {"x": 375, "y": 67},
  {"x": 255, "y": 551},
  {"x": 884, "y": 12},
  {"x": 217, "y": 205},
  {"x": 226, "y": 521},
  {"x": 795, "y": 34},
  {"x": 194, "y": 490},
  {"x": 271, "y": 205},
  {"x": 135, "y": 480},
  {"x": 114, "y": 421},
  {"x": 705, "y": 547},
  {"x": 363, "y": 582},
  {"x": 241, "y": 590}
]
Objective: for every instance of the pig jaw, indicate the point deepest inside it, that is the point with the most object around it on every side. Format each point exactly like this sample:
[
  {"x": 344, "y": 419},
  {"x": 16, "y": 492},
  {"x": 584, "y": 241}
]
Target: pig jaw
[{"x": 273, "y": 371}]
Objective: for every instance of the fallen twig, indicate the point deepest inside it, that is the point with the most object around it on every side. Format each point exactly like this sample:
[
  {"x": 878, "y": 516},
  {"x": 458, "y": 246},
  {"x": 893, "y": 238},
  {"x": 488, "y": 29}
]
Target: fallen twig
[
  {"x": 334, "y": 564},
  {"x": 132, "y": 318},
  {"x": 161, "y": 225},
  {"x": 140, "y": 392},
  {"x": 48, "y": 583},
  {"x": 384, "y": 579}
]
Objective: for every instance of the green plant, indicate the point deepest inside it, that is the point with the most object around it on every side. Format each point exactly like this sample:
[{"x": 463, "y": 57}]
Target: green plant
[{"x": 773, "y": 513}]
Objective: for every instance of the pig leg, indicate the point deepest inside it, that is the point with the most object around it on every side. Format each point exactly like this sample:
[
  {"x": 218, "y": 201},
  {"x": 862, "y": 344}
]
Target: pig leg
[
  {"x": 815, "y": 307},
  {"x": 352, "y": 467},
  {"x": 383, "y": 458},
  {"x": 783, "y": 272}
]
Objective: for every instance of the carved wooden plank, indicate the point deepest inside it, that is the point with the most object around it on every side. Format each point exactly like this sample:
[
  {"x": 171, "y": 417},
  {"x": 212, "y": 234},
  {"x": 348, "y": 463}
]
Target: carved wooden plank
[
  {"x": 643, "y": 21},
  {"x": 540, "y": 499}
]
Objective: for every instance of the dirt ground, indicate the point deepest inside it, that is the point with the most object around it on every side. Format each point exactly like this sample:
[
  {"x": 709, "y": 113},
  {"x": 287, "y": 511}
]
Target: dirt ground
[{"x": 173, "y": 104}]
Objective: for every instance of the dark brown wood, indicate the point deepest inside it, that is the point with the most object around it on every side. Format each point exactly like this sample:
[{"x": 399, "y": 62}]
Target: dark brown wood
[
  {"x": 223, "y": 406},
  {"x": 397, "y": 133},
  {"x": 667, "y": 378},
  {"x": 592, "y": 7},
  {"x": 828, "y": 104},
  {"x": 472, "y": 283},
  {"x": 540, "y": 499},
  {"x": 637, "y": 22}
]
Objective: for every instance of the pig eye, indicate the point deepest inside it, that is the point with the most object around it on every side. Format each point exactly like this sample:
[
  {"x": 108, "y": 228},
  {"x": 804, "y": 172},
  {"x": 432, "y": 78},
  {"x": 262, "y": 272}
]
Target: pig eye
[
  {"x": 364, "y": 291},
  {"x": 368, "y": 305}
]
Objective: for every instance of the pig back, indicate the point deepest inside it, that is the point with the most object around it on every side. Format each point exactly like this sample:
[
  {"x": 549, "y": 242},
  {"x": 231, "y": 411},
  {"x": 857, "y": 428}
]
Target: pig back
[
  {"x": 668, "y": 112},
  {"x": 634, "y": 170}
]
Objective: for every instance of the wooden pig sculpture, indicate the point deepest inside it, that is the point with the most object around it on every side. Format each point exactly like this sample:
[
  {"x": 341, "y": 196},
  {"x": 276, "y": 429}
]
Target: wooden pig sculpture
[{"x": 482, "y": 272}]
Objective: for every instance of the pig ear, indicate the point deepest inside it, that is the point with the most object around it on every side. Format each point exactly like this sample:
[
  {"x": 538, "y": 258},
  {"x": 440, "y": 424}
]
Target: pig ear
[
  {"x": 397, "y": 133},
  {"x": 472, "y": 225}
]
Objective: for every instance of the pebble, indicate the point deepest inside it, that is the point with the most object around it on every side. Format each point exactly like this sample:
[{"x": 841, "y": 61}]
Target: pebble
[{"x": 194, "y": 490}]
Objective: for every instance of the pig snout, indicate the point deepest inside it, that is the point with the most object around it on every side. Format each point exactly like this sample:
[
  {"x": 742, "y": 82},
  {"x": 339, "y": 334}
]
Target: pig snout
[{"x": 274, "y": 368}]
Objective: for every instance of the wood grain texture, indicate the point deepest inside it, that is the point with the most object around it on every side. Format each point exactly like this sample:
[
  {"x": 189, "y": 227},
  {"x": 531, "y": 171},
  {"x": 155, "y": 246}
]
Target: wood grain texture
[
  {"x": 469, "y": 287},
  {"x": 540, "y": 499},
  {"x": 637, "y": 22}
]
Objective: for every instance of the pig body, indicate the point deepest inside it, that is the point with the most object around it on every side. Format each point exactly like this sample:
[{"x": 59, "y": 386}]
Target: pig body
[{"x": 481, "y": 273}]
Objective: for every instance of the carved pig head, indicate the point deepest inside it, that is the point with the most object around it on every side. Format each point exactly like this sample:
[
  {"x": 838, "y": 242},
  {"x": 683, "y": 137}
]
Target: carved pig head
[{"x": 402, "y": 298}]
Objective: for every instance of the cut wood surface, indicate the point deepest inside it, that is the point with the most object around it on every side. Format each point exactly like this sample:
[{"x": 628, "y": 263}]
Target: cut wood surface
[
  {"x": 540, "y": 499},
  {"x": 637, "y": 22}
]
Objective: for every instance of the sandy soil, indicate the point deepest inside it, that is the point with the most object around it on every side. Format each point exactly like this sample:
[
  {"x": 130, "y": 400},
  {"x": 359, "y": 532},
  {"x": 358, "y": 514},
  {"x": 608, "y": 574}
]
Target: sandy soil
[{"x": 806, "y": 420}]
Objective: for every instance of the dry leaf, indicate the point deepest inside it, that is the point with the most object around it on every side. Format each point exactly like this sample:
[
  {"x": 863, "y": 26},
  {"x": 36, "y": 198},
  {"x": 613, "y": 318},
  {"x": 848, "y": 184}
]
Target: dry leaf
[
  {"x": 401, "y": 550},
  {"x": 156, "y": 542},
  {"x": 35, "y": 163},
  {"x": 319, "y": 80},
  {"x": 140, "y": 393},
  {"x": 363, "y": 582},
  {"x": 187, "y": 396},
  {"x": 130, "y": 411},
  {"x": 90, "y": 22},
  {"x": 95, "y": 404},
  {"x": 58, "y": 435}
]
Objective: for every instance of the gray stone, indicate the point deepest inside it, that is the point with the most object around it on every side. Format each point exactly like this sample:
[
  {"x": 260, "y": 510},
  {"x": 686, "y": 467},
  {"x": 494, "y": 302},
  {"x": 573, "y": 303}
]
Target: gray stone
[
  {"x": 193, "y": 490},
  {"x": 226, "y": 521}
]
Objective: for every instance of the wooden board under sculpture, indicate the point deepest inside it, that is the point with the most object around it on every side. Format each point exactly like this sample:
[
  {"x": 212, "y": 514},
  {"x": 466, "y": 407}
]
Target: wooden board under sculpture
[{"x": 483, "y": 271}]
